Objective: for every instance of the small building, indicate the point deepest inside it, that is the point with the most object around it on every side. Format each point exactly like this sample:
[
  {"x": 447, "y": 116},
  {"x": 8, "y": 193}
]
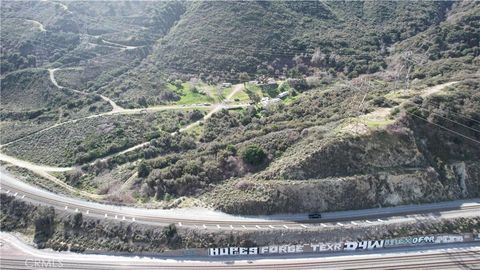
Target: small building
[
  {"x": 282, "y": 94},
  {"x": 271, "y": 81},
  {"x": 225, "y": 85},
  {"x": 275, "y": 100},
  {"x": 265, "y": 101}
]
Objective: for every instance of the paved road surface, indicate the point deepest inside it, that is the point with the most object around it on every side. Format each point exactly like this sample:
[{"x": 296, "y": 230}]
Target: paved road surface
[
  {"x": 207, "y": 219},
  {"x": 17, "y": 255}
]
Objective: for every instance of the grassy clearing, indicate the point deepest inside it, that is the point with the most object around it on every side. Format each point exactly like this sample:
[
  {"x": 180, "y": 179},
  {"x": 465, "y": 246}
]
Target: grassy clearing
[
  {"x": 217, "y": 92},
  {"x": 255, "y": 88},
  {"x": 190, "y": 94},
  {"x": 241, "y": 96},
  {"x": 200, "y": 92},
  {"x": 290, "y": 99},
  {"x": 375, "y": 124}
]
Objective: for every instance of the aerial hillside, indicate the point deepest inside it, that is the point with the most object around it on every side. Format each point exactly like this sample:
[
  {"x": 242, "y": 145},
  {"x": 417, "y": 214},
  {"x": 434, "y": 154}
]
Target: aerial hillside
[
  {"x": 30, "y": 102},
  {"x": 250, "y": 107},
  {"x": 448, "y": 50},
  {"x": 372, "y": 159},
  {"x": 104, "y": 39},
  {"x": 292, "y": 37}
]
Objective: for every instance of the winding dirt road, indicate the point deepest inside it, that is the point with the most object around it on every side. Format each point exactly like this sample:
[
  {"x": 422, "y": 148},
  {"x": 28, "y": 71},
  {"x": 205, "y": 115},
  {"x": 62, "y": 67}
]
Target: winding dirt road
[
  {"x": 43, "y": 170},
  {"x": 38, "y": 24},
  {"x": 115, "y": 107},
  {"x": 215, "y": 108}
]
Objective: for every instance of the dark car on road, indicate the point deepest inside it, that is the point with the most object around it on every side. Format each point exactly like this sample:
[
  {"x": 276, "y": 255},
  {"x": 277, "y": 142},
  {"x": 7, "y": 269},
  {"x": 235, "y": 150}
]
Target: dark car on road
[{"x": 315, "y": 215}]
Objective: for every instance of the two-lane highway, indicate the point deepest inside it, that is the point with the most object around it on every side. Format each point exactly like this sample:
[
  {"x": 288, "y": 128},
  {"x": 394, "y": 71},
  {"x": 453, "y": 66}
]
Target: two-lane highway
[{"x": 207, "y": 219}]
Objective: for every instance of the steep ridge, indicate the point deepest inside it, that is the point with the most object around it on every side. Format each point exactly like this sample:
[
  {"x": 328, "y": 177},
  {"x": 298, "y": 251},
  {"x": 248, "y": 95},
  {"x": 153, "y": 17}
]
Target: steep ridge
[{"x": 262, "y": 37}]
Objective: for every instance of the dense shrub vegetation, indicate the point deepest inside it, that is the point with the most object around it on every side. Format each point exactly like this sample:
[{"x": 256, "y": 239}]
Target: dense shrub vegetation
[
  {"x": 293, "y": 38},
  {"x": 85, "y": 140},
  {"x": 253, "y": 155}
]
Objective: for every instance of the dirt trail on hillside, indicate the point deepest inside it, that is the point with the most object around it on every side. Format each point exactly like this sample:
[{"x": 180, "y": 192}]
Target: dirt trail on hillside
[
  {"x": 115, "y": 107},
  {"x": 216, "y": 108},
  {"x": 110, "y": 43},
  {"x": 126, "y": 112},
  {"x": 383, "y": 113},
  {"x": 31, "y": 166},
  {"x": 126, "y": 47},
  {"x": 38, "y": 24},
  {"x": 43, "y": 171},
  {"x": 63, "y": 6},
  {"x": 358, "y": 126},
  {"x": 435, "y": 89},
  {"x": 236, "y": 88}
]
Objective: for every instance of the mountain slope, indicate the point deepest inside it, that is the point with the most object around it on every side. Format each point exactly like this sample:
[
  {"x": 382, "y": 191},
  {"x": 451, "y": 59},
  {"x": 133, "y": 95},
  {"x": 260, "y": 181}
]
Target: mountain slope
[{"x": 263, "y": 37}]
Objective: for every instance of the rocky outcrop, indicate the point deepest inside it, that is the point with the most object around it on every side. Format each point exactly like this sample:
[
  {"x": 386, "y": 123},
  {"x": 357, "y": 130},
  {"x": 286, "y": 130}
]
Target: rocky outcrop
[
  {"x": 333, "y": 194},
  {"x": 401, "y": 164},
  {"x": 345, "y": 156}
]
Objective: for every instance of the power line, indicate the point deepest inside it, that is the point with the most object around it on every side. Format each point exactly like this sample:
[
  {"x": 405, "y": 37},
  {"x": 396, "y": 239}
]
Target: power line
[
  {"x": 453, "y": 121},
  {"x": 445, "y": 128},
  {"x": 459, "y": 114}
]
